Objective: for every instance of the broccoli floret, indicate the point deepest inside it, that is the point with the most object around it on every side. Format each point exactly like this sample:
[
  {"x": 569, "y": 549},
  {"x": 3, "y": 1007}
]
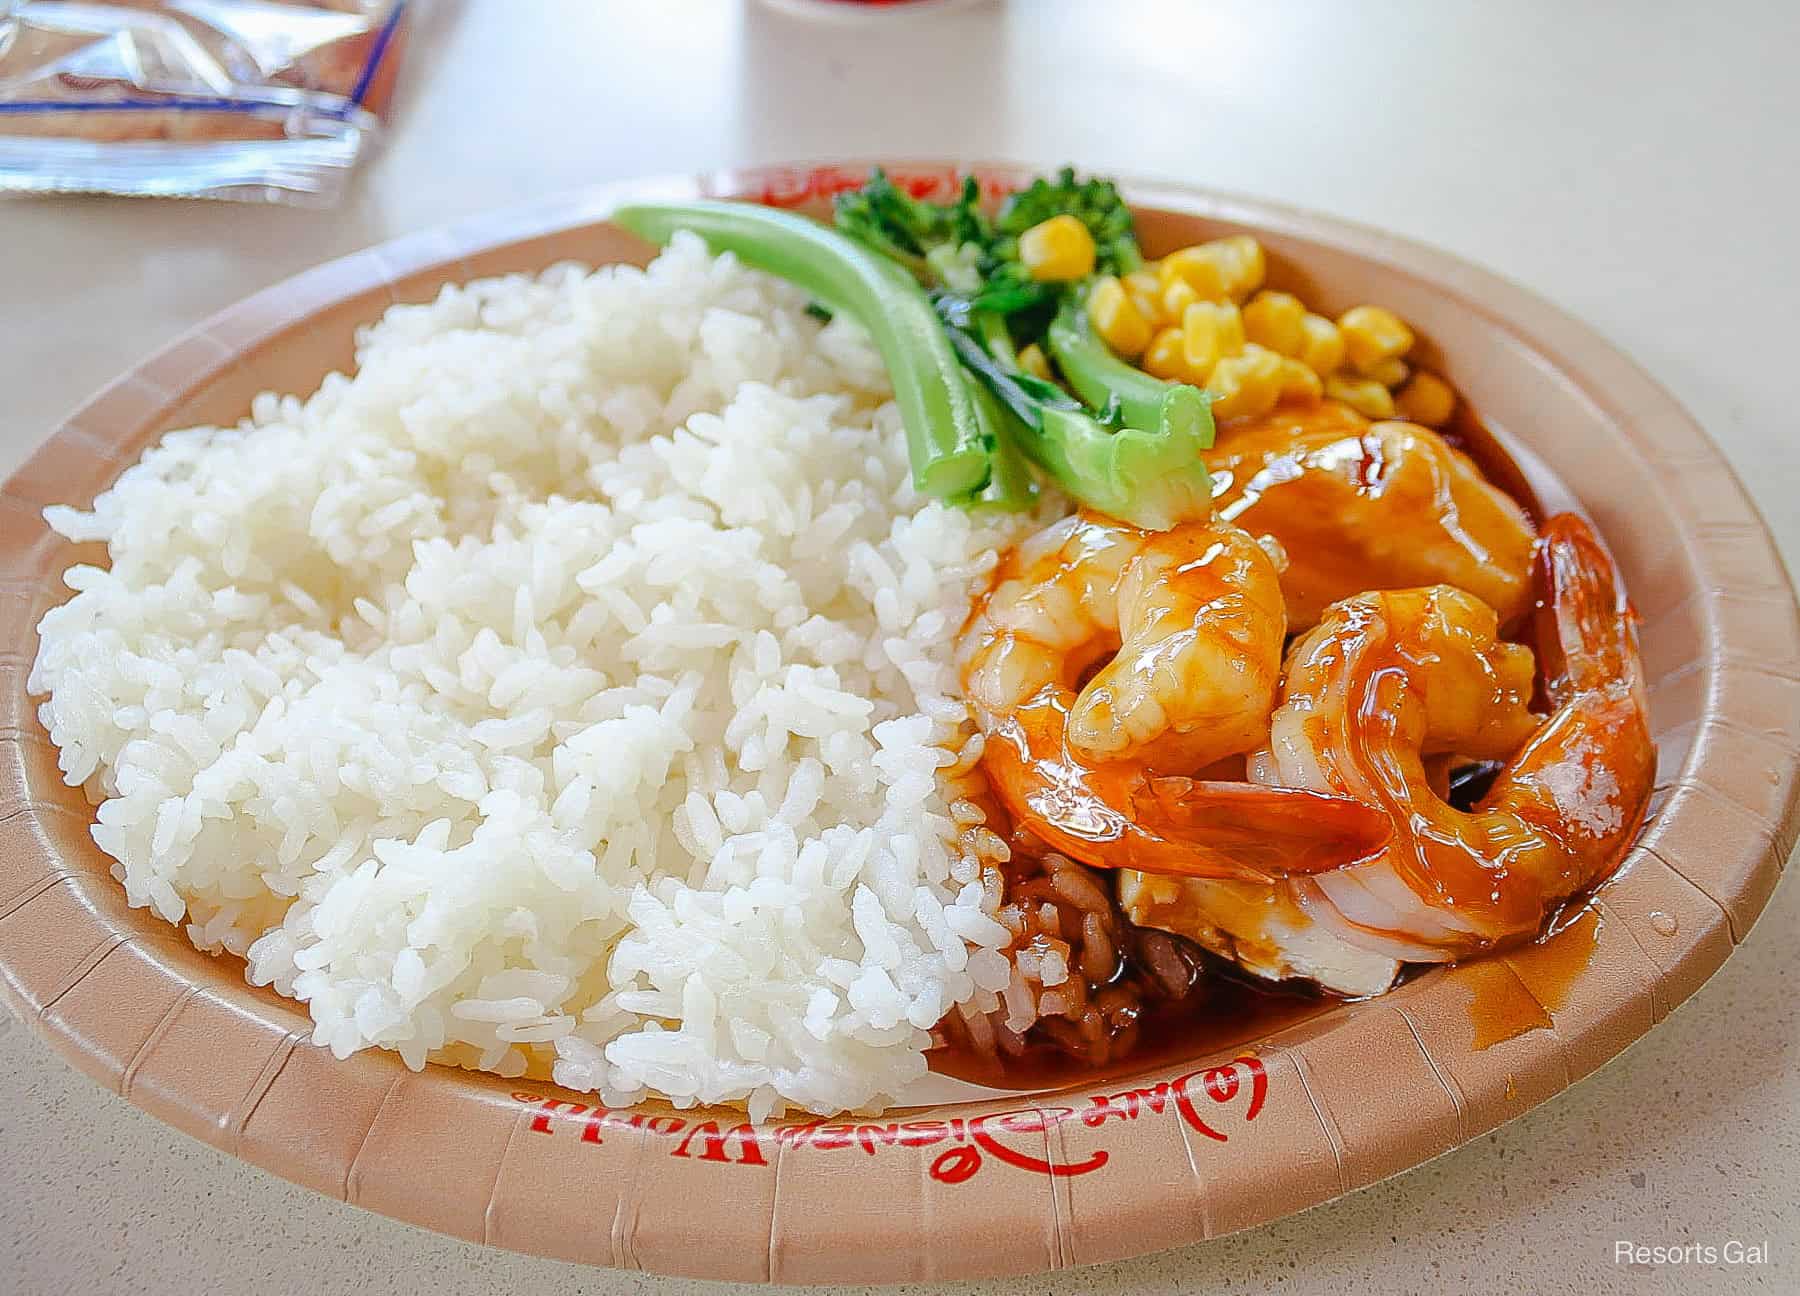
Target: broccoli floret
[
  {"x": 1095, "y": 203},
  {"x": 923, "y": 236}
]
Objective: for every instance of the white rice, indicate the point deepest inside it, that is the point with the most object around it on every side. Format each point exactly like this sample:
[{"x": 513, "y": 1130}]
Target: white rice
[{"x": 567, "y": 691}]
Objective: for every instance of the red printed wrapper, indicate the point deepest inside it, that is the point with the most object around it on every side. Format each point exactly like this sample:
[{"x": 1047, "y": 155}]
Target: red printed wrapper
[{"x": 255, "y": 100}]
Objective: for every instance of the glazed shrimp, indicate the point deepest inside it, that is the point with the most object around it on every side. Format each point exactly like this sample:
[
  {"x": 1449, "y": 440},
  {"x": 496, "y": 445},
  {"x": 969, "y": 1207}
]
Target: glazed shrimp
[
  {"x": 1360, "y": 506},
  {"x": 1387, "y": 679},
  {"x": 1182, "y": 631}
]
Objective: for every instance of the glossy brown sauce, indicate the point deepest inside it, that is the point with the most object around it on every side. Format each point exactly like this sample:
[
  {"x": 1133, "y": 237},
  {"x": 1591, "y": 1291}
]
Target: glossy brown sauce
[
  {"x": 1567, "y": 952},
  {"x": 1507, "y": 463},
  {"x": 1504, "y": 1007},
  {"x": 1226, "y": 1009}
]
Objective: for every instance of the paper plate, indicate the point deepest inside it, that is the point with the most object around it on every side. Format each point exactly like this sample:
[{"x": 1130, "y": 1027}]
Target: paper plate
[{"x": 959, "y": 1188}]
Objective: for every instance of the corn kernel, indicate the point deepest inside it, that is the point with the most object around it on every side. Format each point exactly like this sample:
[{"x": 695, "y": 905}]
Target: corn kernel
[
  {"x": 1389, "y": 373},
  {"x": 1034, "y": 362},
  {"x": 1163, "y": 358},
  {"x": 1373, "y": 334},
  {"x": 1247, "y": 384},
  {"x": 1145, "y": 291},
  {"x": 1321, "y": 346},
  {"x": 1201, "y": 268},
  {"x": 1245, "y": 264},
  {"x": 1272, "y": 319},
  {"x": 1300, "y": 383},
  {"x": 1427, "y": 399},
  {"x": 1177, "y": 296},
  {"x": 1116, "y": 320},
  {"x": 1224, "y": 269},
  {"x": 1364, "y": 395},
  {"x": 1211, "y": 332},
  {"x": 1057, "y": 249}
]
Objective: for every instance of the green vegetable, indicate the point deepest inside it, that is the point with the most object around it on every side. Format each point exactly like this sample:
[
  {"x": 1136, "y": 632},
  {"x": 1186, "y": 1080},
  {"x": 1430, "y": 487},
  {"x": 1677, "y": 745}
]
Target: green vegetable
[
  {"x": 1139, "y": 460},
  {"x": 1146, "y": 477},
  {"x": 1097, "y": 204},
  {"x": 1124, "y": 442},
  {"x": 924, "y": 237},
  {"x": 1010, "y": 487},
  {"x": 950, "y": 449},
  {"x": 1102, "y": 379},
  {"x": 955, "y": 246}
]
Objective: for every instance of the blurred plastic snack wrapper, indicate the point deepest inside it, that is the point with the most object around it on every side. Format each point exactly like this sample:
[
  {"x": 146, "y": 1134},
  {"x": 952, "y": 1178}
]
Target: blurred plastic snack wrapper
[{"x": 255, "y": 100}]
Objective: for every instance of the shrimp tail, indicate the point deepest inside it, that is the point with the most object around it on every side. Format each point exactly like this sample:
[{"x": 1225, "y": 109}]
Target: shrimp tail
[
  {"x": 1181, "y": 827},
  {"x": 1266, "y": 832},
  {"x": 1587, "y": 642},
  {"x": 1584, "y": 778}
]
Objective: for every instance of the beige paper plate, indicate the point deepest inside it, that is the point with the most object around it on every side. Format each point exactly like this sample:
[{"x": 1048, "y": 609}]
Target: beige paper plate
[{"x": 1007, "y": 1185}]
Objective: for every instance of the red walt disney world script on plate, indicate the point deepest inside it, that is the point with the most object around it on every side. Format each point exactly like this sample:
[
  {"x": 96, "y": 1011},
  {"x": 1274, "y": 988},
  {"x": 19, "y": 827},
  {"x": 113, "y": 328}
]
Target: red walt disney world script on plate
[
  {"x": 797, "y": 186},
  {"x": 1014, "y": 1138}
]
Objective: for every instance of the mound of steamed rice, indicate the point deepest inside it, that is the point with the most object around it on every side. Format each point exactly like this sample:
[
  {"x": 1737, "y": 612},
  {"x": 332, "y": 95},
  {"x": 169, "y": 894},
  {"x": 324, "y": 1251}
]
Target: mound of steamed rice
[{"x": 568, "y": 691}]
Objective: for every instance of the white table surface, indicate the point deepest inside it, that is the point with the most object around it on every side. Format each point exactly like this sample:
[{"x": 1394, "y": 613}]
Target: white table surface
[{"x": 1635, "y": 163}]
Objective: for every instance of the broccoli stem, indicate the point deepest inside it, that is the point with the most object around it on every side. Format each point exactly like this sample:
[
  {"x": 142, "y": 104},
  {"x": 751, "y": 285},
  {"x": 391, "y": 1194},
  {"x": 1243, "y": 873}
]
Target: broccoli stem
[
  {"x": 1148, "y": 472},
  {"x": 1011, "y": 487},
  {"x": 991, "y": 327},
  {"x": 1103, "y": 380}
]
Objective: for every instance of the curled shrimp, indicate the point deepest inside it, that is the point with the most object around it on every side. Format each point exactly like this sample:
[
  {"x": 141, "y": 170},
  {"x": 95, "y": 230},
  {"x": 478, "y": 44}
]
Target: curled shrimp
[
  {"x": 1360, "y": 506},
  {"x": 1181, "y": 632},
  {"x": 1384, "y": 681}
]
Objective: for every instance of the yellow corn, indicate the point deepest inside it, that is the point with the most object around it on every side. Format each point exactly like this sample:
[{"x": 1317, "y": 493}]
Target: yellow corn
[
  {"x": 1117, "y": 320},
  {"x": 1247, "y": 384},
  {"x": 1227, "y": 268},
  {"x": 1389, "y": 373},
  {"x": 1163, "y": 358},
  {"x": 1245, "y": 264},
  {"x": 1057, "y": 249},
  {"x": 1321, "y": 345},
  {"x": 1177, "y": 296},
  {"x": 1200, "y": 267},
  {"x": 1211, "y": 331},
  {"x": 1299, "y": 382},
  {"x": 1034, "y": 362},
  {"x": 1272, "y": 319},
  {"x": 1364, "y": 395},
  {"x": 1373, "y": 334},
  {"x": 1145, "y": 291},
  {"x": 1427, "y": 399}
]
